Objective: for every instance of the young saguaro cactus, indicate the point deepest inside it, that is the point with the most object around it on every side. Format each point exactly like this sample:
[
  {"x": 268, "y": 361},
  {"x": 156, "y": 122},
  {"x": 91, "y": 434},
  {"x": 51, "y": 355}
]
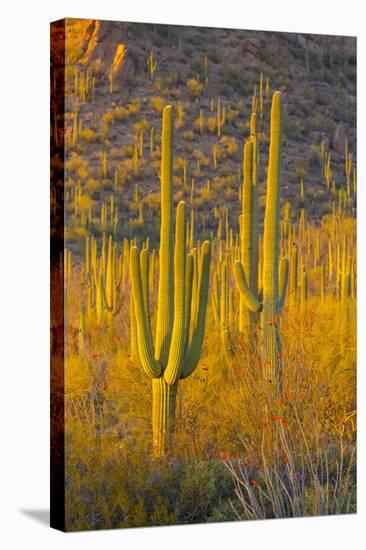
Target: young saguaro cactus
[
  {"x": 275, "y": 273},
  {"x": 222, "y": 302},
  {"x": 180, "y": 320},
  {"x": 151, "y": 65}
]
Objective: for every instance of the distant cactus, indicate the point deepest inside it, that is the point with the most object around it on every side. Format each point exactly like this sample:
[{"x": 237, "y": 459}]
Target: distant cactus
[
  {"x": 293, "y": 290},
  {"x": 206, "y": 70},
  {"x": 220, "y": 116},
  {"x": 214, "y": 156},
  {"x": 304, "y": 291},
  {"x": 201, "y": 122},
  {"x": 178, "y": 342},
  {"x": 261, "y": 95},
  {"x": 222, "y": 308},
  {"x": 103, "y": 278},
  {"x": 151, "y": 65}
]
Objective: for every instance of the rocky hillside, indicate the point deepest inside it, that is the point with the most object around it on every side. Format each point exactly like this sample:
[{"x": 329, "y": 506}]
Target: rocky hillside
[{"x": 120, "y": 75}]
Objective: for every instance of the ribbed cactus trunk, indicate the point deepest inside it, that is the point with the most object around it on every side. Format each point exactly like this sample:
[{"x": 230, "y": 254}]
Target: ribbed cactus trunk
[
  {"x": 163, "y": 395},
  {"x": 246, "y": 231},
  {"x": 163, "y": 415},
  {"x": 249, "y": 230},
  {"x": 255, "y": 230},
  {"x": 271, "y": 340},
  {"x": 179, "y": 339},
  {"x": 165, "y": 298}
]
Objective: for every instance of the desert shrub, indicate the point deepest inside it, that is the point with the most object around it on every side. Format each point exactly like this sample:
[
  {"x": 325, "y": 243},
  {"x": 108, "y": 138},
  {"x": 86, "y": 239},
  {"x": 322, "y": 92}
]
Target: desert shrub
[
  {"x": 77, "y": 166},
  {"x": 134, "y": 107},
  {"x": 108, "y": 117},
  {"x": 204, "y": 160},
  {"x": 229, "y": 145},
  {"x": 214, "y": 56},
  {"x": 88, "y": 135},
  {"x": 211, "y": 123},
  {"x": 299, "y": 169},
  {"x": 121, "y": 113},
  {"x": 195, "y": 88},
  {"x": 141, "y": 125},
  {"x": 157, "y": 103},
  {"x": 188, "y": 135},
  {"x": 233, "y": 78}
]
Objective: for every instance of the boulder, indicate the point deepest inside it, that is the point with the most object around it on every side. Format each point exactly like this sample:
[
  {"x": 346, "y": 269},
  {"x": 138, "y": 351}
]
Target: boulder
[{"x": 339, "y": 139}]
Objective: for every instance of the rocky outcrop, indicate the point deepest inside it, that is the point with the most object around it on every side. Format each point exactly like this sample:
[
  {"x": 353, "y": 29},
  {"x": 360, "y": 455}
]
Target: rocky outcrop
[
  {"x": 339, "y": 139},
  {"x": 102, "y": 44}
]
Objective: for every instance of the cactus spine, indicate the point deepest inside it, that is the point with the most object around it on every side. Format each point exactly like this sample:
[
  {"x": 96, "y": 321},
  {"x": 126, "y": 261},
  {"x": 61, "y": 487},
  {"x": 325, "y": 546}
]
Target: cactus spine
[{"x": 178, "y": 341}]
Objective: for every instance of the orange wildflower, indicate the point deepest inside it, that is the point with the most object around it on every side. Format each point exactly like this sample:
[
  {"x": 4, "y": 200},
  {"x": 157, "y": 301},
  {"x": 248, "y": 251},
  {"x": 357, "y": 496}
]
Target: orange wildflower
[
  {"x": 288, "y": 394},
  {"x": 224, "y": 455}
]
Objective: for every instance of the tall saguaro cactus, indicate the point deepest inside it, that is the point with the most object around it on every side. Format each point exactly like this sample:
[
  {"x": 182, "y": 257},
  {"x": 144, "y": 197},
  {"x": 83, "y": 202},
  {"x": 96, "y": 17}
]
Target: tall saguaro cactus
[
  {"x": 249, "y": 230},
  {"x": 275, "y": 273},
  {"x": 180, "y": 320}
]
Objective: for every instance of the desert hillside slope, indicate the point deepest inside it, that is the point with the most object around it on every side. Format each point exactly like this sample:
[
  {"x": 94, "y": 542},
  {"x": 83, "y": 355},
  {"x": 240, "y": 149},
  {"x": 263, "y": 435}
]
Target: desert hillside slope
[{"x": 193, "y": 68}]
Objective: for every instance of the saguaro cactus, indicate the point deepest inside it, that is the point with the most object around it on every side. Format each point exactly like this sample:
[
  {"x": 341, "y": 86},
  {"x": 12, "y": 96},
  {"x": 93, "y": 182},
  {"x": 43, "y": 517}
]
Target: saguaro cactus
[
  {"x": 222, "y": 302},
  {"x": 249, "y": 228},
  {"x": 275, "y": 273},
  {"x": 103, "y": 277},
  {"x": 151, "y": 65},
  {"x": 180, "y": 323},
  {"x": 248, "y": 223}
]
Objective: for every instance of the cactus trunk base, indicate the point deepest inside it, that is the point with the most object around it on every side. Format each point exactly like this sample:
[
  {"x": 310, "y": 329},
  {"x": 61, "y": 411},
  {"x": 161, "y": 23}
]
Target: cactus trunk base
[
  {"x": 272, "y": 351},
  {"x": 163, "y": 414}
]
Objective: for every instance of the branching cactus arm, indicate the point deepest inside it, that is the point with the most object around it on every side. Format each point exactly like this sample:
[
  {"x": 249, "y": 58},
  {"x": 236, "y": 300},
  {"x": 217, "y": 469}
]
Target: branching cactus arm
[
  {"x": 283, "y": 282},
  {"x": 145, "y": 346},
  {"x": 251, "y": 301},
  {"x": 177, "y": 346},
  {"x": 195, "y": 346}
]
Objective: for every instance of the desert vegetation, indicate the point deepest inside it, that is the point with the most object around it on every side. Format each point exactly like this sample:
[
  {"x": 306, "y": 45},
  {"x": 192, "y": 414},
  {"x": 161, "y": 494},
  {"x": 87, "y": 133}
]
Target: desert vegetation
[{"x": 210, "y": 275}]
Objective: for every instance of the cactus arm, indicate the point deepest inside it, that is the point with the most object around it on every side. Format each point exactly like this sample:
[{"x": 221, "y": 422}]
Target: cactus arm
[
  {"x": 260, "y": 294},
  {"x": 150, "y": 365},
  {"x": 165, "y": 298},
  {"x": 247, "y": 209},
  {"x": 251, "y": 301},
  {"x": 144, "y": 268},
  {"x": 293, "y": 275},
  {"x": 255, "y": 141},
  {"x": 346, "y": 288},
  {"x": 177, "y": 346},
  {"x": 304, "y": 289},
  {"x": 223, "y": 296},
  {"x": 216, "y": 300},
  {"x": 194, "y": 350},
  {"x": 284, "y": 270},
  {"x": 109, "y": 276},
  {"x": 194, "y": 253},
  {"x": 189, "y": 282},
  {"x": 99, "y": 302}
]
